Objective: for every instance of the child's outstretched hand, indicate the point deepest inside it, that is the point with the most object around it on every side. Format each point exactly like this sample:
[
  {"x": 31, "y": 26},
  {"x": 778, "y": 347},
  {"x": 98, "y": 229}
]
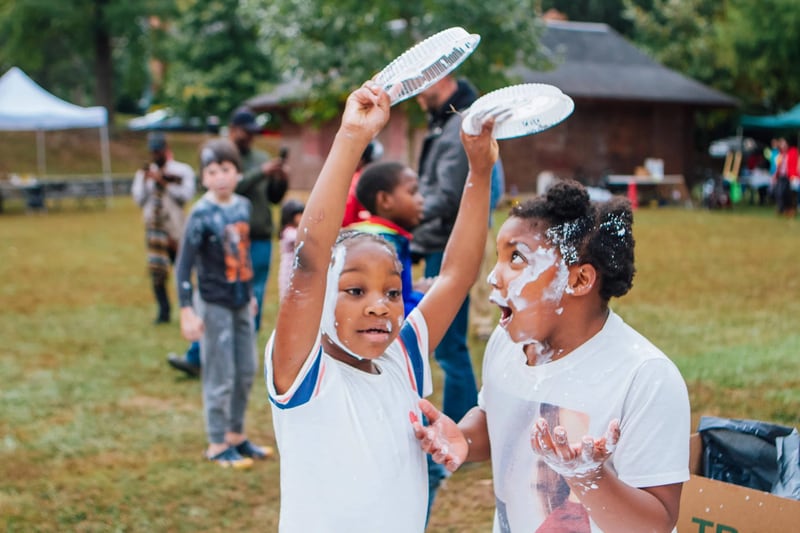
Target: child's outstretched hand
[
  {"x": 584, "y": 460},
  {"x": 442, "y": 438},
  {"x": 366, "y": 111}
]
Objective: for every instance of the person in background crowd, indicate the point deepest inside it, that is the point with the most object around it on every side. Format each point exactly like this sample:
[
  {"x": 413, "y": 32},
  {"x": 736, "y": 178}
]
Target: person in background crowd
[
  {"x": 162, "y": 187},
  {"x": 354, "y": 211},
  {"x": 786, "y": 173},
  {"x": 264, "y": 181},
  {"x": 216, "y": 247},
  {"x": 443, "y": 168},
  {"x": 291, "y": 211}
]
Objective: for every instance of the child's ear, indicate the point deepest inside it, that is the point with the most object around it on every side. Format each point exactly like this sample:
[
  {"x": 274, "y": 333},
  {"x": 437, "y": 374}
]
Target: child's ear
[
  {"x": 383, "y": 200},
  {"x": 582, "y": 279}
]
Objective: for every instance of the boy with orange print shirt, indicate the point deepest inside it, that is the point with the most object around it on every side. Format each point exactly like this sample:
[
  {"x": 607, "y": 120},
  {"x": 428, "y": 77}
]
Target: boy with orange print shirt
[{"x": 216, "y": 244}]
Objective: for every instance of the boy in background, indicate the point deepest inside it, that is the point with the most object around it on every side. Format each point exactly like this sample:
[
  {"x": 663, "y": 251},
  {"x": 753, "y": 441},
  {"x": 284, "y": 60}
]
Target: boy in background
[
  {"x": 216, "y": 244},
  {"x": 390, "y": 192}
]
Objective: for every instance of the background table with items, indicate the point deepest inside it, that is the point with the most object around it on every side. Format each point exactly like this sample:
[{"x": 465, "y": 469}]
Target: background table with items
[{"x": 669, "y": 189}]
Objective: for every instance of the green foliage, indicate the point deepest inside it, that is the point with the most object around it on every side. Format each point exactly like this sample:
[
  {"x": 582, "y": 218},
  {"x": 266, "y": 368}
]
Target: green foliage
[
  {"x": 54, "y": 42},
  {"x": 216, "y": 58},
  {"x": 336, "y": 45},
  {"x": 758, "y": 45},
  {"x": 740, "y": 47}
]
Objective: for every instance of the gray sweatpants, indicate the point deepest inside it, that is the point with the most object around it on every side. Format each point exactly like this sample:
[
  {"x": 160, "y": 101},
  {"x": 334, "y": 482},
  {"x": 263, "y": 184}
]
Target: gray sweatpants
[{"x": 228, "y": 359}]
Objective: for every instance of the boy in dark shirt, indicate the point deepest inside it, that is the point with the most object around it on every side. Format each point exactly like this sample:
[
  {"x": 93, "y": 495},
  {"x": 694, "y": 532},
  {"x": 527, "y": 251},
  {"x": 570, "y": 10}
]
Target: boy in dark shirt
[
  {"x": 390, "y": 192},
  {"x": 216, "y": 245}
]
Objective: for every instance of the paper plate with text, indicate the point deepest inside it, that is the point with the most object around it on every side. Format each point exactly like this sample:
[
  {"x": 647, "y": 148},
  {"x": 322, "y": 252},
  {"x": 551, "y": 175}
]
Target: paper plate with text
[
  {"x": 523, "y": 109},
  {"x": 426, "y": 62}
]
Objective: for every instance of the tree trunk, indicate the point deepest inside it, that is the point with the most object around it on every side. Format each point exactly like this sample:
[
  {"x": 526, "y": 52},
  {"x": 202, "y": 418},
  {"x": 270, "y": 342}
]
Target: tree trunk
[{"x": 104, "y": 69}]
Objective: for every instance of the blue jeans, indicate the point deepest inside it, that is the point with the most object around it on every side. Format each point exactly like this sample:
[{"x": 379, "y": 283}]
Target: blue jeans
[
  {"x": 460, "y": 387},
  {"x": 193, "y": 354},
  {"x": 452, "y": 354},
  {"x": 260, "y": 255}
]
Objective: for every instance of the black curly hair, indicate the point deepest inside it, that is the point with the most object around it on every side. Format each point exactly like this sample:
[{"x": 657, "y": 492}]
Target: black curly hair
[
  {"x": 586, "y": 232},
  {"x": 375, "y": 178}
]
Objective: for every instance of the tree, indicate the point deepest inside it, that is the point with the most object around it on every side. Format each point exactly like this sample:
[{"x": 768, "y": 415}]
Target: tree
[
  {"x": 71, "y": 47},
  {"x": 738, "y": 46},
  {"x": 757, "y": 43},
  {"x": 335, "y": 45},
  {"x": 215, "y": 57}
]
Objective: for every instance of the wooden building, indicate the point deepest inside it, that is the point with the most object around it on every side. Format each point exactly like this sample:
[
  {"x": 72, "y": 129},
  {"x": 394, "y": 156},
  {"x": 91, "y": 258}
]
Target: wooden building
[{"x": 628, "y": 107}]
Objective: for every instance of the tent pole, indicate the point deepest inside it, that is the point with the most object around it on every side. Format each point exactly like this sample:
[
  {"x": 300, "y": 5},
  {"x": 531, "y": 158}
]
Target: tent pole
[
  {"x": 106, "y": 161},
  {"x": 41, "y": 158}
]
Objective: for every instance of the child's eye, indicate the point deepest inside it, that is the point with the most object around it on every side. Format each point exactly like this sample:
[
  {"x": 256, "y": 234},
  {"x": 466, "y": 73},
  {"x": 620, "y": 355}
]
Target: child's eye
[
  {"x": 354, "y": 291},
  {"x": 394, "y": 294},
  {"x": 517, "y": 258}
]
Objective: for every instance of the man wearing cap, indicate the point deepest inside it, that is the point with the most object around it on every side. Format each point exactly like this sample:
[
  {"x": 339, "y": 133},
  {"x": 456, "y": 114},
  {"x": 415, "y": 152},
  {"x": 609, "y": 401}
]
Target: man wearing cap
[
  {"x": 161, "y": 188},
  {"x": 264, "y": 182}
]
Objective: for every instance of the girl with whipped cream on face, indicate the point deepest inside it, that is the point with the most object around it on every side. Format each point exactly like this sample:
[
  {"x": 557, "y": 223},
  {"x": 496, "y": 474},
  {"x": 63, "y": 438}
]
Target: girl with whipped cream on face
[
  {"x": 343, "y": 367},
  {"x": 585, "y": 421}
]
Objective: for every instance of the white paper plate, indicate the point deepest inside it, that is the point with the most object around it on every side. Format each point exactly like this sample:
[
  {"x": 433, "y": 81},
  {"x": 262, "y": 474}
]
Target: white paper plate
[
  {"x": 426, "y": 62},
  {"x": 528, "y": 109}
]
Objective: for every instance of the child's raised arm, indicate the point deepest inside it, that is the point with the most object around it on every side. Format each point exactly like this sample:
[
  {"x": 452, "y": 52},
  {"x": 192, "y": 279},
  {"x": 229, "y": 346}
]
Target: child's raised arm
[
  {"x": 464, "y": 250},
  {"x": 299, "y": 317}
]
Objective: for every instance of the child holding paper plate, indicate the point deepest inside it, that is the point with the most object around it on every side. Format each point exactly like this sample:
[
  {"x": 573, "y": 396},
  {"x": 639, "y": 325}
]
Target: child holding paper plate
[
  {"x": 344, "y": 367},
  {"x": 585, "y": 421}
]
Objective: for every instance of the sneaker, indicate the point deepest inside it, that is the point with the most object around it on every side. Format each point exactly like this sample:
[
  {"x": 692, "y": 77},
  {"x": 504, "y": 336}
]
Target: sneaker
[
  {"x": 230, "y": 458},
  {"x": 248, "y": 449},
  {"x": 180, "y": 363}
]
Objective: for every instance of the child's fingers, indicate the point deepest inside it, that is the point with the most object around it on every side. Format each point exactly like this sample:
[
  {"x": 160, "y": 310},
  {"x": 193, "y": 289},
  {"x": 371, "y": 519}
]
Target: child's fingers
[
  {"x": 430, "y": 412},
  {"x": 541, "y": 442},
  {"x": 452, "y": 464},
  {"x": 612, "y": 435},
  {"x": 419, "y": 429},
  {"x": 488, "y": 125}
]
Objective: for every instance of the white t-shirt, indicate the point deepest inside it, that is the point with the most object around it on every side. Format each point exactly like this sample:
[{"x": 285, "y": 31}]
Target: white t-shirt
[
  {"x": 349, "y": 458},
  {"x": 615, "y": 374}
]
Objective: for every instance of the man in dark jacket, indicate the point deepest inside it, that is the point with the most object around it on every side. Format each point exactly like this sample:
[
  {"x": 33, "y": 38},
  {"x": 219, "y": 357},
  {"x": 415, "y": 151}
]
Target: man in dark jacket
[
  {"x": 264, "y": 182},
  {"x": 443, "y": 169}
]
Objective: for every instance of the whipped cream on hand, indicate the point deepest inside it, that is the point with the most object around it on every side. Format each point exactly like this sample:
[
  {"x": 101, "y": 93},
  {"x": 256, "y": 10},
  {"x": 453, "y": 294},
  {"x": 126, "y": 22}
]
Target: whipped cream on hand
[
  {"x": 583, "y": 460},
  {"x": 441, "y": 438}
]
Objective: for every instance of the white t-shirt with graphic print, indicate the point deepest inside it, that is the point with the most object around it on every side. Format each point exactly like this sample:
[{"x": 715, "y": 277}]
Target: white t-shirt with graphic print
[
  {"x": 615, "y": 374},
  {"x": 349, "y": 458}
]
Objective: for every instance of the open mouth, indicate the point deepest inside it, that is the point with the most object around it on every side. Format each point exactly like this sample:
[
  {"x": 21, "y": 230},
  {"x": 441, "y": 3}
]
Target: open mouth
[{"x": 505, "y": 315}]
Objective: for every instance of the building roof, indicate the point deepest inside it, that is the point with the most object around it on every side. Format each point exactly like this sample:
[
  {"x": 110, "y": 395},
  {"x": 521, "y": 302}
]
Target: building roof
[
  {"x": 594, "y": 61},
  {"x": 285, "y": 93}
]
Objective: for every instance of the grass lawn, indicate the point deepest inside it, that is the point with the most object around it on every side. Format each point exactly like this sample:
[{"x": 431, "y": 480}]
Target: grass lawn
[{"x": 97, "y": 433}]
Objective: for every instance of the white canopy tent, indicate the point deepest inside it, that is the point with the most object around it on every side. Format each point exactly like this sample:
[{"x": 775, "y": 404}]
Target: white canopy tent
[{"x": 25, "y": 106}]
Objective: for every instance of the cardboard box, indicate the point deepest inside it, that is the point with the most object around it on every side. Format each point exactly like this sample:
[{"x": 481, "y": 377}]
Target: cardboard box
[{"x": 710, "y": 506}]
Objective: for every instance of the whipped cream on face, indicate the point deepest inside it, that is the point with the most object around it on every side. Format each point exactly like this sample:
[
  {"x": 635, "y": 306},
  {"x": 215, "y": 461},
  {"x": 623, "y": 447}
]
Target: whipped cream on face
[
  {"x": 538, "y": 262},
  {"x": 328, "y": 325}
]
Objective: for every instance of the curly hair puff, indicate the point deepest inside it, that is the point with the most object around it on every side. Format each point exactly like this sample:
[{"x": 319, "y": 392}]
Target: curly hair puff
[{"x": 595, "y": 233}]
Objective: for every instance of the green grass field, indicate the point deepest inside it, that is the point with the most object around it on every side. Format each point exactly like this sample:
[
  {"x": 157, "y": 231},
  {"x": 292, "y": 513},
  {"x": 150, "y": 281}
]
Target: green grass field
[{"x": 97, "y": 433}]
